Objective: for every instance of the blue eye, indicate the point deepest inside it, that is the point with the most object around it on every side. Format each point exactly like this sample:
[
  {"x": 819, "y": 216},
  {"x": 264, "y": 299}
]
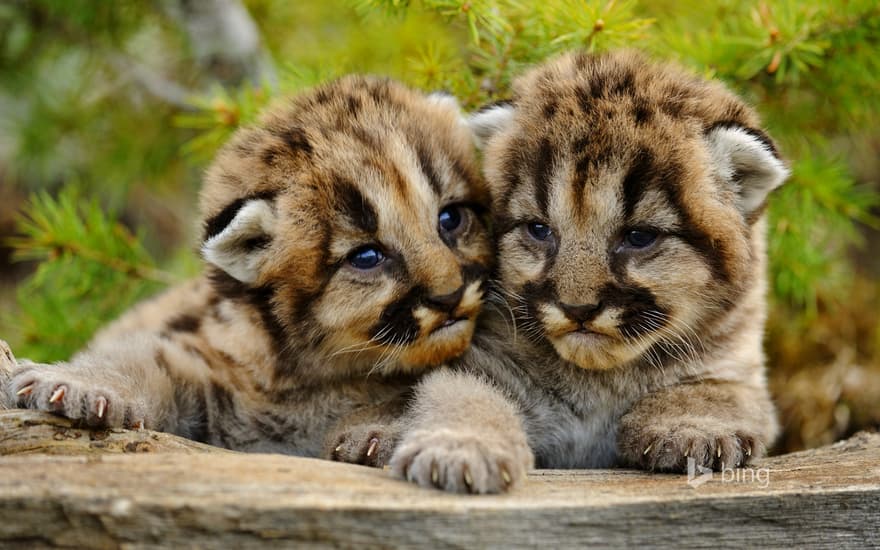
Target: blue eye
[
  {"x": 450, "y": 218},
  {"x": 366, "y": 257},
  {"x": 639, "y": 239},
  {"x": 540, "y": 231}
]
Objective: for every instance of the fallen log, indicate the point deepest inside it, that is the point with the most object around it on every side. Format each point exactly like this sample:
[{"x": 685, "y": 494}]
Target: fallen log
[{"x": 169, "y": 493}]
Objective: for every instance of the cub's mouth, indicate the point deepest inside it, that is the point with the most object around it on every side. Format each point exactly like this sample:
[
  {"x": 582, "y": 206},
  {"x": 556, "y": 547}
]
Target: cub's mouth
[
  {"x": 449, "y": 323},
  {"x": 444, "y": 335}
]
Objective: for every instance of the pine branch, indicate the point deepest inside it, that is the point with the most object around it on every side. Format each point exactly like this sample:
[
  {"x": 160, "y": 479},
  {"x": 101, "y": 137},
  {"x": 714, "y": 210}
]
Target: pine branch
[{"x": 54, "y": 228}]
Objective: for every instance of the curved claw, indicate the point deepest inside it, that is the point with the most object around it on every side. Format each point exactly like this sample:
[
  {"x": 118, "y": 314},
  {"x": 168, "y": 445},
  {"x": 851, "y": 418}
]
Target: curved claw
[
  {"x": 102, "y": 406},
  {"x": 57, "y": 395},
  {"x": 374, "y": 444},
  {"x": 468, "y": 479},
  {"x": 505, "y": 476}
]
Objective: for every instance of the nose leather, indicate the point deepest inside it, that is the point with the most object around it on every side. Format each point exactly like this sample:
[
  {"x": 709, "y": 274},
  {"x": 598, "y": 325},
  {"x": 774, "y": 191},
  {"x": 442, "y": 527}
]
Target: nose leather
[
  {"x": 581, "y": 313},
  {"x": 446, "y": 302}
]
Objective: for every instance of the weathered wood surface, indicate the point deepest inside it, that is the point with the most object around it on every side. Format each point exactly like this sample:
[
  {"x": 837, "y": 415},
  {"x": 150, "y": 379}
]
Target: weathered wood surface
[
  {"x": 828, "y": 497},
  {"x": 31, "y": 432}
]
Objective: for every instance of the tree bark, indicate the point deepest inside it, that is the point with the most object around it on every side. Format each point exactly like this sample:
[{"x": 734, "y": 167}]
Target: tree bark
[{"x": 225, "y": 39}]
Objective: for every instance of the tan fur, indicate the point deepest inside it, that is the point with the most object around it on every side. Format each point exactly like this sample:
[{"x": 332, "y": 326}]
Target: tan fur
[
  {"x": 284, "y": 337},
  {"x": 623, "y": 354}
]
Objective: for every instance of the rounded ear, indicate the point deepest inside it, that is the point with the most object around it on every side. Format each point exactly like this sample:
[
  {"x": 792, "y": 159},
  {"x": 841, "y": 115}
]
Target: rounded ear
[
  {"x": 238, "y": 238},
  {"x": 746, "y": 159},
  {"x": 490, "y": 120},
  {"x": 445, "y": 99}
]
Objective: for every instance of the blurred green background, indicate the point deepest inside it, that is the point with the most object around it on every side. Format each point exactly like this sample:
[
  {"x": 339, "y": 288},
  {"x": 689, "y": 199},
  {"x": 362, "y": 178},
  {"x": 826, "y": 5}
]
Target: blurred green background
[{"x": 111, "y": 110}]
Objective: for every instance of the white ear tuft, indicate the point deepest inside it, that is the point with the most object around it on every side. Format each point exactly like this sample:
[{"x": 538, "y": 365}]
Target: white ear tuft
[
  {"x": 240, "y": 249},
  {"x": 748, "y": 162},
  {"x": 444, "y": 99},
  {"x": 490, "y": 120}
]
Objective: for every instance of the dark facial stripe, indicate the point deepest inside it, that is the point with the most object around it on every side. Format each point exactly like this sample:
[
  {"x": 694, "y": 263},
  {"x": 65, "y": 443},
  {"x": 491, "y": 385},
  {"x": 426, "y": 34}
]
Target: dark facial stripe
[
  {"x": 475, "y": 186},
  {"x": 355, "y": 206},
  {"x": 429, "y": 169},
  {"x": 474, "y": 272},
  {"x": 536, "y": 293},
  {"x": 635, "y": 302},
  {"x": 541, "y": 174},
  {"x": 217, "y": 223},
  {"x": 712, "y": 251},
  {"x": 397, "y": 324},
  {"x": 645, "y": 173},
  {"x": 640, "y": 175}
]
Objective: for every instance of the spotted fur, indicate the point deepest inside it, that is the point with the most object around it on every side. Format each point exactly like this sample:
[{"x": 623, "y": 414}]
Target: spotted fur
[
  {"x": 628, "y": 202},
  {"x": 283, "y": 337}
]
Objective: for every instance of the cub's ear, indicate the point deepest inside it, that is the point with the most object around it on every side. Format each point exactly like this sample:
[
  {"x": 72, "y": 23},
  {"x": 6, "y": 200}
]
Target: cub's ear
[
  {"x": 237, "y": 239},
  {"x": 747, "y": 160},
  {"x": 444, "y": 99},
  {"x": 490, "y": 120}
]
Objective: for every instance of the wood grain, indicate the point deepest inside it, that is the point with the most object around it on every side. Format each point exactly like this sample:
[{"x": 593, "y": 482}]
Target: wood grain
[
  {"x": 24, "y": 432},
  {"x": 153, "y": 498}
]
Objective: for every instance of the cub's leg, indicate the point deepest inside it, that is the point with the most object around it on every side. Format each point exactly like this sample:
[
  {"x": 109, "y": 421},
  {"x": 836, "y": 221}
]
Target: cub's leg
[
  {"x": 717, "y": 424},
  {"x": 369, "y": 435},
  {"x": 120, "y": 386},
  {"x": 462, "y": 435}
]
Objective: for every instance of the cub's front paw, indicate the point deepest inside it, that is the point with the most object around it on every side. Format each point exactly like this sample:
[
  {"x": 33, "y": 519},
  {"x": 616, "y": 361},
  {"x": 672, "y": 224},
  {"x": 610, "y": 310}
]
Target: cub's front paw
[
  {"x": 668, "y": 450},
  {"x": 461, "y": 462},
  {"x": 367, "y": 444},
  {"x": 59, "y": 390}
]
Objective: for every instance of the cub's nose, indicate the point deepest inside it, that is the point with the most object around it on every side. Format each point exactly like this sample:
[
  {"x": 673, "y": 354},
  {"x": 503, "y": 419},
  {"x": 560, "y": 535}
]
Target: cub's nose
[
  {"x": 581, "y": 313},
  {"x": 446, "y": 302}
]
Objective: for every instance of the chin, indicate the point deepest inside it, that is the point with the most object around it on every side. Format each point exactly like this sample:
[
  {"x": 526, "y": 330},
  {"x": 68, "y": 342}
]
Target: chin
[
  {"x": 592, "y": 351},
  {"x": 440, "y": 345}
]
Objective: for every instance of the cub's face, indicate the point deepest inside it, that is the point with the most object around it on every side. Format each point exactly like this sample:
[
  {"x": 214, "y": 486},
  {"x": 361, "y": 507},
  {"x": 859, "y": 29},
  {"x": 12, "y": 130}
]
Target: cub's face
[
  {"x": 352, "y": 217},
  {"x": 626, "y": 195}
]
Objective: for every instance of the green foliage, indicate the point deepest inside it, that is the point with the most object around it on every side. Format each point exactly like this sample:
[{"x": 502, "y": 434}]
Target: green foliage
[
  {"x": 812, "y": 225},
  {"x": 75, "y": 113},
  {"x": 217, "y": 115},
  {"x": 87, "y": 263}
]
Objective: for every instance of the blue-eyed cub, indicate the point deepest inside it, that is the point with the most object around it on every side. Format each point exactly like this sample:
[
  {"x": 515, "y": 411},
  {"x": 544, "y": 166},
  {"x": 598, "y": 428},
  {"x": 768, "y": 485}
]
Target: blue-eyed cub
[
  {"x": 345, "y": 253},
  {"x": 628, "y": 205}
]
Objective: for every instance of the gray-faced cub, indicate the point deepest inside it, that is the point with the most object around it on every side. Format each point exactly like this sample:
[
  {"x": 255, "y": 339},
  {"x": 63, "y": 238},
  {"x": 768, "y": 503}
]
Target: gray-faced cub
[{"x": 628, "y": 204}]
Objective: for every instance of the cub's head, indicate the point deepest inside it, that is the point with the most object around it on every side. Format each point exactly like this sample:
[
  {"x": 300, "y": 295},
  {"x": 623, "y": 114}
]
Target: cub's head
[
  {"x": 351, "y": 218},
  {"x": 628, "y": 197}
]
